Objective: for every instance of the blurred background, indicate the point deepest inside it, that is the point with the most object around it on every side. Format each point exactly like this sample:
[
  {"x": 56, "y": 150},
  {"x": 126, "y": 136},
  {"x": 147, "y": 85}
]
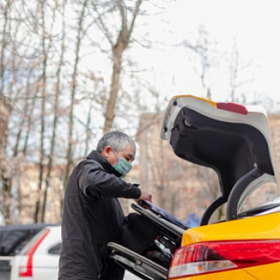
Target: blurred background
[{"x": 73, "y": 70}]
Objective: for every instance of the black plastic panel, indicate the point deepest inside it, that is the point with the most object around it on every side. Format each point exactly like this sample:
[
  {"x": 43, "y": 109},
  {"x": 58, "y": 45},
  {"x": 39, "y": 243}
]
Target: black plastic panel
[{"x": 231, "y": 149}]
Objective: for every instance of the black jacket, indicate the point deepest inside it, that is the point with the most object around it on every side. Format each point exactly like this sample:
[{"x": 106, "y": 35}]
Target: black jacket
[{"x": 92, "y": 217}]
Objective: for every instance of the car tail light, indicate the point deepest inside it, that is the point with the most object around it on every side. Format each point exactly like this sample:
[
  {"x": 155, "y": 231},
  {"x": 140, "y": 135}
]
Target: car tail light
[
  {"x": 27, "y": 270},
  {"x": 232, "y": 107},
  {"x": 218, "y": 256}
]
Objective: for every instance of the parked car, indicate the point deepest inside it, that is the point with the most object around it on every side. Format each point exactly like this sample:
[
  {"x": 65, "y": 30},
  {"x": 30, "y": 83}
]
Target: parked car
[
  {"x": 12, "y": 239},
  {"x": 233, "y": 140},
  {"x": 38, "y": 260}
]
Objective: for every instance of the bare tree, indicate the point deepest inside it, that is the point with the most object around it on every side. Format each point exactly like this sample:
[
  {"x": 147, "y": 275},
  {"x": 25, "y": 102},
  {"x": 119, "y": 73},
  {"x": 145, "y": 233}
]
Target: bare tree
[
  {"x": 235, "y": 73},
  {"x": 5, "y": 8},
  {"x": 38, "y": 95},
  {"x": 46, "y": 45},
  {"x": 205, "y": 50},
  {"x": 6, "y": 109},
  {"x": 55, "y": 118},
  {"x": 117, "y": 47},
  {"x": 80, "y": 35}
]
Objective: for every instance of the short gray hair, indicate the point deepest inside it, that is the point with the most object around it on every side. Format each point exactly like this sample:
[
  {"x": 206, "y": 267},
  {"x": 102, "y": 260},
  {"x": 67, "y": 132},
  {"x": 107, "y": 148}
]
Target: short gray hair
[{"x": 116, "y": 139}]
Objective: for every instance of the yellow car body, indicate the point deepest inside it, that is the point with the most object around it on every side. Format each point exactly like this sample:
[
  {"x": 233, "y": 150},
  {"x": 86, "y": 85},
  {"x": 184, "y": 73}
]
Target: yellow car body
[{"x": 266, "y": 227}]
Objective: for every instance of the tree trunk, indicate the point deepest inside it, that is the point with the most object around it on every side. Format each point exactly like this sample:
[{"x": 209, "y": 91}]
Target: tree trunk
[
  {"x": 25, "y": 112},
  {"x": 118, "y": 49},
  {"x": 43, "y": 79},
  {"x": 69, "y": 156},
  {"x": 114, "y": 89},
  {"x": 5, "y": 112},
  {"x": 29, "y": 123},
  {"x": 87, "y": 129},
  {"x": 54, "y": 125},
  {"x": 4, "y": 44}
]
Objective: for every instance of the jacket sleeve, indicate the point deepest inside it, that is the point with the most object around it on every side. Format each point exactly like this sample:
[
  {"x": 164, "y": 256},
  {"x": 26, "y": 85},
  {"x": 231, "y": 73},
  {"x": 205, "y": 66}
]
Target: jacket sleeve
[{"x": 93, "y": 181}]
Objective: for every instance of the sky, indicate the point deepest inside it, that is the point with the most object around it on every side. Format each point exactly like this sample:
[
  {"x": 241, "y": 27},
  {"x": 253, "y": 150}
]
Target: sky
[{"x": 254, "y": 26}]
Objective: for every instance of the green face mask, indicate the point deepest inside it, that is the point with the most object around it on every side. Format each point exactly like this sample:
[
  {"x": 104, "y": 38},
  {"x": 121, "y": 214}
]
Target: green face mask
[{"x": 122, "y": 166}]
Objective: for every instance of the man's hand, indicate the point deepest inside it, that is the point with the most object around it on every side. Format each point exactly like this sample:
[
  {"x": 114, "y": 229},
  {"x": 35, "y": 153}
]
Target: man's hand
[{"x": 144, "y": 196}]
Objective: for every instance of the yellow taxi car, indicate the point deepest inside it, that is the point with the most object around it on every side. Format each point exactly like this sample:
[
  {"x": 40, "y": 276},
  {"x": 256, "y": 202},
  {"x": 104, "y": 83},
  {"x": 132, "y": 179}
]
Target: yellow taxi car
[{"x": 234, "y": 140}]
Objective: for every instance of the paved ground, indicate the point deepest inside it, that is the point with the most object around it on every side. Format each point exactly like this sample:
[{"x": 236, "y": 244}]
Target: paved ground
[
  {"x": 4, "y": 269},
  {"x": 5, "y": 275}
]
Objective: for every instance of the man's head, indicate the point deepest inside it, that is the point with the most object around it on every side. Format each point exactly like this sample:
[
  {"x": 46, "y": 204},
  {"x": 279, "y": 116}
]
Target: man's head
[{"x": 115, "y": 145}]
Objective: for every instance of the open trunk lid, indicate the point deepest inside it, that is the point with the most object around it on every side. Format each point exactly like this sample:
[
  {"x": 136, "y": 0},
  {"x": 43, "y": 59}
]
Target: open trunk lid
[{"x": 232, "y": 139}]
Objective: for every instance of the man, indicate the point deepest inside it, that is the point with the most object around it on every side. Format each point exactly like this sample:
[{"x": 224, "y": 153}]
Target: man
[{"x": 92, "y": 214}]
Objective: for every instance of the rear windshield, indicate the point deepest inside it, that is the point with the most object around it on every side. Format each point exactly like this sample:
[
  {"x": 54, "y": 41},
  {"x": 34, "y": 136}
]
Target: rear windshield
[
  {"x": 258, "y": 210},
  {"x": 14, "y": 237},
  {"x": 29, "y": 245}
]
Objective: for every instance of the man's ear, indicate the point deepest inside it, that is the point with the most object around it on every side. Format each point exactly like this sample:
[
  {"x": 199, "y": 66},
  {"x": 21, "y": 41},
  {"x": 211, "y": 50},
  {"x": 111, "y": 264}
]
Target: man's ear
[{"x": 106, "y": 152}]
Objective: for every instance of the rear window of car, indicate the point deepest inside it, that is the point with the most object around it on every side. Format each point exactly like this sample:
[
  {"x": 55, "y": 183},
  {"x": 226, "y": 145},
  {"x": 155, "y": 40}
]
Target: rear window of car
[
  {"x": 14, "y": 237},
  {"x": 30, "y": 244},
  {"x": 55, "y": 250}
]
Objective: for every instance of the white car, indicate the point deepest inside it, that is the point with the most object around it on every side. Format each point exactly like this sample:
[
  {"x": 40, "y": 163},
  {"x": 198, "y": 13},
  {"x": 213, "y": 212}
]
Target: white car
[{"x": 38, "y": 260}]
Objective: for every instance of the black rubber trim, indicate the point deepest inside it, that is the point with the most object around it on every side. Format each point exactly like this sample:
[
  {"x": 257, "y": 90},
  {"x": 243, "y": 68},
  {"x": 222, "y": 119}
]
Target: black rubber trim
[
  {"x": 237, "y": 191},
  {"x": 211, "y": 209},
  {"x": 231, "y": 149}
]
